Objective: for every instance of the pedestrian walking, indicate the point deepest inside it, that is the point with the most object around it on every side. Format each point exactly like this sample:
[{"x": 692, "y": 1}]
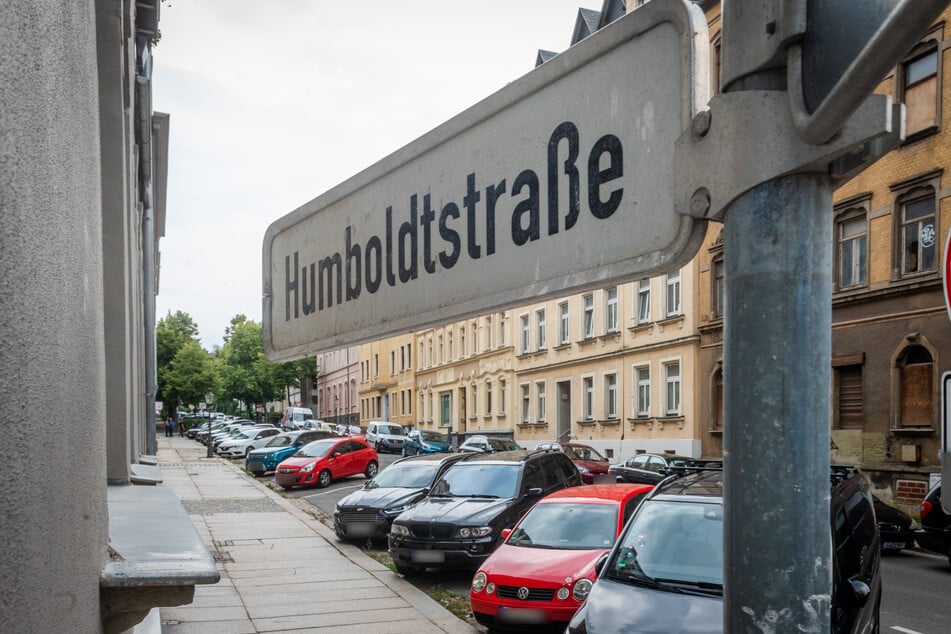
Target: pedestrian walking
[
  {"x": 181, "y": 428},
  {"x": 169, "y": 427}
]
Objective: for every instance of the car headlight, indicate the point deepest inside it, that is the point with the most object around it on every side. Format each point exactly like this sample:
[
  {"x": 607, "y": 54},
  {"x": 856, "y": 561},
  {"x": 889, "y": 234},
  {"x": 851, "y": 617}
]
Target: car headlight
[
  {"x": 490, "y": 588},
  {"x": 581, "y": 589},
  {"x": 395, "y": 510},
  {"x": 475, "y": 531},
  {"x": 563, "y": 593},
  {"x": 479, "y": 581},
  {"x": 308, "y": 467},
  {"x": 399, "y": 530}
]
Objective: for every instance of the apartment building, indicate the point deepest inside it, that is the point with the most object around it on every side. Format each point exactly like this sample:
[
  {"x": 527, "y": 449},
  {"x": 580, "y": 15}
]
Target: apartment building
[
  {"x": 387, "y": 383},
  {"x": 891, "y": 335}
]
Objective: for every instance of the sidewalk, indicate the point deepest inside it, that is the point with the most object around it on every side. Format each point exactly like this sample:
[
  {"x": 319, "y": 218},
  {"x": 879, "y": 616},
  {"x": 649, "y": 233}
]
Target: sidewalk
[{"x": 281, "y": 569}]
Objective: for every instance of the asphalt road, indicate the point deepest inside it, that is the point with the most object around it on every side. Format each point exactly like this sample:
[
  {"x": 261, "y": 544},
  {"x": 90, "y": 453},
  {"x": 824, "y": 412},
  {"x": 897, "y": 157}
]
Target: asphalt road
[{"x": 916, "y": 585}]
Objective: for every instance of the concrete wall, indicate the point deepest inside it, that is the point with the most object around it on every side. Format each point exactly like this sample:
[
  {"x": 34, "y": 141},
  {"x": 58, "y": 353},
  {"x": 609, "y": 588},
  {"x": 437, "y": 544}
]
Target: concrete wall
[{"x": 52, "y": 366}]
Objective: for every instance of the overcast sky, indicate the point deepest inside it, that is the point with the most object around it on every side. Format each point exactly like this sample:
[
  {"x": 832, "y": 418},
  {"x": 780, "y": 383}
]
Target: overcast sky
[{"x": 273, "y": 102}]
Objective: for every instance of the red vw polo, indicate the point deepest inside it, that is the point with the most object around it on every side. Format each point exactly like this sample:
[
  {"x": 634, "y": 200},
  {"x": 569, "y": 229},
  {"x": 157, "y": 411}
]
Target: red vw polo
[
  {"x": 323, "y": 461},
  {"x": 544, "y": 569}
]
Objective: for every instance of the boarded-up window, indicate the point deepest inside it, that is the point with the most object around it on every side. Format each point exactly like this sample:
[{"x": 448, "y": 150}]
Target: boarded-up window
[
  {"x": 921, "y": 92},
  {"x": 850, "y": 414},
  {"x": 916, "y": 395}
]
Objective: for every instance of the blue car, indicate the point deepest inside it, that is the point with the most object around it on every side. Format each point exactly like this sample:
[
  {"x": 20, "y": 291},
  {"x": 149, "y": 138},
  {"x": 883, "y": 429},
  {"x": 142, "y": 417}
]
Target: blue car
[
  {"x": 419, "y": 441},
  {"x": 260, "y": 461}
]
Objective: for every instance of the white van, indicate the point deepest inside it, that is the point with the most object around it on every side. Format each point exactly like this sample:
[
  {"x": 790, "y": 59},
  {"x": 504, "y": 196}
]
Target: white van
[
  {"x": 294, "y": 418},
  {"x": 385, "y": 436}
]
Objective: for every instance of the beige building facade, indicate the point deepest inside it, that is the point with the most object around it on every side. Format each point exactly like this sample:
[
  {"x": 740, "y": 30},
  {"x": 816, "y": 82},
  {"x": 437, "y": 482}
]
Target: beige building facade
[{"x": 386, "y": 380}]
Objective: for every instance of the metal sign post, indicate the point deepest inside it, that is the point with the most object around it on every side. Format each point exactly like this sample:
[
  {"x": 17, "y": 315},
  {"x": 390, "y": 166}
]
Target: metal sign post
[{"x": 946, "y": 438}]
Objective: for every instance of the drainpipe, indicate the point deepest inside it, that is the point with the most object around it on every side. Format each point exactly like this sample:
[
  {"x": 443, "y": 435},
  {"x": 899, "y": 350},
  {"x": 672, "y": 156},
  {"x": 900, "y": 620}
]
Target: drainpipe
[{"x": 143, "y": 125}]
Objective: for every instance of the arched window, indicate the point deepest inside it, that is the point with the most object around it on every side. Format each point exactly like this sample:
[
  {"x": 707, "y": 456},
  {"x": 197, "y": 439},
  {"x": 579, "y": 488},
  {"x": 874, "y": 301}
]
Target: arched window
[
  {"x": 913, "y": 378},
  {"x": 717, "y": 400}
]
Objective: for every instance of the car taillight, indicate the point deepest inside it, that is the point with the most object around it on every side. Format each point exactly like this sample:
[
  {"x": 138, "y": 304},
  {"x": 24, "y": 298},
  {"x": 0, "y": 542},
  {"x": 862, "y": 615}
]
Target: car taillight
[{"x": 925, "y": 508}]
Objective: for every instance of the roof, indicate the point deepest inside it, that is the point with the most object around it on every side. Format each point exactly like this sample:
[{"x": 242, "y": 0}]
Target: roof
[
  {"x": 585, "y": 25},
  {"x": 596, "y": 493},
  {"x": 501, "y": 456},
  {"x": 543, "y": 56}
]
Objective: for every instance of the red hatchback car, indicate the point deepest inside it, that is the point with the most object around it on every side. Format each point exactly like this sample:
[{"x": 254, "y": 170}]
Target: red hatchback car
[
  {"x": 323, "y": 461},
  {"x": 591, "y": 465},
  {"x": 542, "y": 572}
]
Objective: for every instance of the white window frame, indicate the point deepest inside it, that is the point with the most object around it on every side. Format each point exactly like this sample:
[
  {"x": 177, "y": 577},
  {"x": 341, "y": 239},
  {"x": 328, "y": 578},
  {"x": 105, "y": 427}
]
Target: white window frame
[
  {"x": 611, "y": 310},
  {"x": 672, "y": 388},
  {"x": 563, "y": 332},
  {"x": 541, "y": 401},
  {"x": 642, "y": 391},
  {"x": 610, "y": 396},
  {"x": 540, "y": 329},
  {"x": 587, "y": 320},
  {"x": 488, "y": 398},
  {"x": 673, "y": 294},
  {"x": 489, "y": 334},
  {"x": 526, "y": 394},
  {"x": 643, "y": 307},
  {"x": 501, "y": 396},
  {"x": 587, "y": 397},
  {"x": 473, "y": 401},
  {"x": 526, "y": 334}
]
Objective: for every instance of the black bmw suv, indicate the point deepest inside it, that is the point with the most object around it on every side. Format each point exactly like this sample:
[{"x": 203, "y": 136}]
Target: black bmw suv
[
  {"x": 459, "y": 523},
  {"x": 665, "y": 572}
]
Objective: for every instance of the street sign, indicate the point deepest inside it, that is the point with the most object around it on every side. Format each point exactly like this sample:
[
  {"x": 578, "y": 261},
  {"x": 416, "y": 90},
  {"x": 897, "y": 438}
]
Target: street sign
[
  {"x": 946, "y": 438},
  {"x": 847, "y": 49},
  {"x": 561, "y": 181}
]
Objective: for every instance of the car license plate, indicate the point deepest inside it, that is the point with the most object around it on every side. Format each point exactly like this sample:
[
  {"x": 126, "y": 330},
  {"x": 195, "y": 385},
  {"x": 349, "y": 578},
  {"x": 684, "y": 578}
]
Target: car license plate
[
  {"x": 360, "y": 529},
  {"x": 428, "y": 556},
  {"x": 893, "y": 545},
  {"x": 525, "y": 616}
]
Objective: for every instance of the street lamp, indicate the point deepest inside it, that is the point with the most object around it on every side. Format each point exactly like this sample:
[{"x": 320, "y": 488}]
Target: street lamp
[{"x": 209, "y": 398}]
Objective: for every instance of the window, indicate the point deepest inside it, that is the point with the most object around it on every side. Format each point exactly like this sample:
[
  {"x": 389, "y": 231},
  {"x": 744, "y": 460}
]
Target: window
[
  {"x": 462, "y": 341},
  {"x": 475, "y": 338},
  {"x": 473, "y": 401},
  {"x": 523, "y": 322},
  {"x": 502, "y": 396},
  {"x": 587, "y": 397},
  {"x": 502, "y": 321},
  {"x": 610, "y": 396},
  {"x": 488, "y": 398},
  {"x": 851, "y": 234},
  {"x": 441, "y": 350},
  {"x": 849, "y": 404},
  {"x": 643, "y": 301},
  {"x": 918, "y": 231},
  {"x": 526, "y": 402},
  {"x": 392, "y": 361},
  {"x": 919, "y": 88},
  {"x": 540, "y": 329},
  {"x": 915, "y": 368},
  {"x": 718, "y": 399},
  {"x": 643, "y": 391},
  {"x": 409, "y": 355},
  {"x": 718, "y": 286},
  {"x": 610, "y": 310},
  {"x": 588, "y": 302},
  {"x": 449, "y": 341},
  {"x": 376, "y": 365},
  {"x": 445, "y": 409},
  {"x": 540, "y": 402},
  {"x": 489, "y": 334},
  {"x": 422, "y": 352},
  {"x": 673, "y": 294},
  {"x": 563, "y": 323},
  {"x": 672, "y": 377}
]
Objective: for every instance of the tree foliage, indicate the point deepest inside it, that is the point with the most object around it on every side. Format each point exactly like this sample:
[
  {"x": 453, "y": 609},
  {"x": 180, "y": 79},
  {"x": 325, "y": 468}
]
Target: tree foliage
[
  {"x": 172, "y": 333},
  {"x": 192, "y": 374}
]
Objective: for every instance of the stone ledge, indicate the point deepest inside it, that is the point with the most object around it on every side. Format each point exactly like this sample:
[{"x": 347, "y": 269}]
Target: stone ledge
[{"x": 157, "y": 556}]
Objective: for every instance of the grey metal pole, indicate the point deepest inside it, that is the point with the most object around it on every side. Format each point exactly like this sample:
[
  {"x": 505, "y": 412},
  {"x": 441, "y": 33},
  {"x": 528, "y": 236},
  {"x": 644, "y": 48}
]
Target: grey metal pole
[{"x": 777, "y": 350}]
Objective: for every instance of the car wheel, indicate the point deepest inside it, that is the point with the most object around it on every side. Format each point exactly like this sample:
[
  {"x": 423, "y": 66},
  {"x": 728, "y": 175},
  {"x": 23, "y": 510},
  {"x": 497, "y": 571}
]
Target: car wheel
[
  {"x": 324, "y": 478},
  {"x": 379, "y": 447},
  {"x": 288, "y": 488},
  {"x": 247, "y": 452},
  {"x": 257, "y": 474},
  {"x": 372, "y": 470},
  {"x": 406, "y": 571},
  {"x": 404, "y": 453}
]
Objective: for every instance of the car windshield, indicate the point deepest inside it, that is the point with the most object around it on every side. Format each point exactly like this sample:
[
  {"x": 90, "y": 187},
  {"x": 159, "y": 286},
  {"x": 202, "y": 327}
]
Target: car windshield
[
  {"x": 241, "y": 436},
  {"x": 567, "y": 525},
  {"x": 280, "y": 441},
  {"x": 392, "y": 430},
  {"x": 478, "y": 480},
  {"x": 584, "y": 453},
  {"x": 410, "y": 475},
  {"x": 501, "y": 444},
  {"x": 316, "y": 449},
  {"x": 433, "y": 436},
  {"x": 675, "y": 543}
]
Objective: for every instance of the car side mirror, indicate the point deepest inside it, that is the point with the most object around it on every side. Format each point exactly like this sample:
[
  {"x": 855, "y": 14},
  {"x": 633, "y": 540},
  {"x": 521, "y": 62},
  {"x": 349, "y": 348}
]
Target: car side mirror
[
  {"x": 860, "y": 592},
  {"x": 505, "y": 534},
  {"x": 337, "y": 454},
  {"x": 599, "y": 564},
  {"x": 533, "y": 492},
  {"x": 663, "y": 471}
]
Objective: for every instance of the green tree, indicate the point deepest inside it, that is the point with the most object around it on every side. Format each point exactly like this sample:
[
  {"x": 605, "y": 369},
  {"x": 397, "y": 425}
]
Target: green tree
[
  {"x": 172, "y": 333},
  {"x": 246, "y": 374},
  {"x": 192, "y": 374}
]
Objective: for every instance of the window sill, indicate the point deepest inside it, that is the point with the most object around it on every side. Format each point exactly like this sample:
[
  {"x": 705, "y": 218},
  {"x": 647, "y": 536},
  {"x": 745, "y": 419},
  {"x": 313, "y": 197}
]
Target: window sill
[
  {"x": 912, "y": 431},
  {"x": 610, "y": 422},
  {"x": 715, "y": 432},
  {"x": 587, "y": 340},
  {"x": 537, "y": 424},
  {"x": 590, "y": 421},
  {"x": 920, "y": 134},
  {"x": 562, "y": 346},
  {"x": 659, "y": 423}
]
